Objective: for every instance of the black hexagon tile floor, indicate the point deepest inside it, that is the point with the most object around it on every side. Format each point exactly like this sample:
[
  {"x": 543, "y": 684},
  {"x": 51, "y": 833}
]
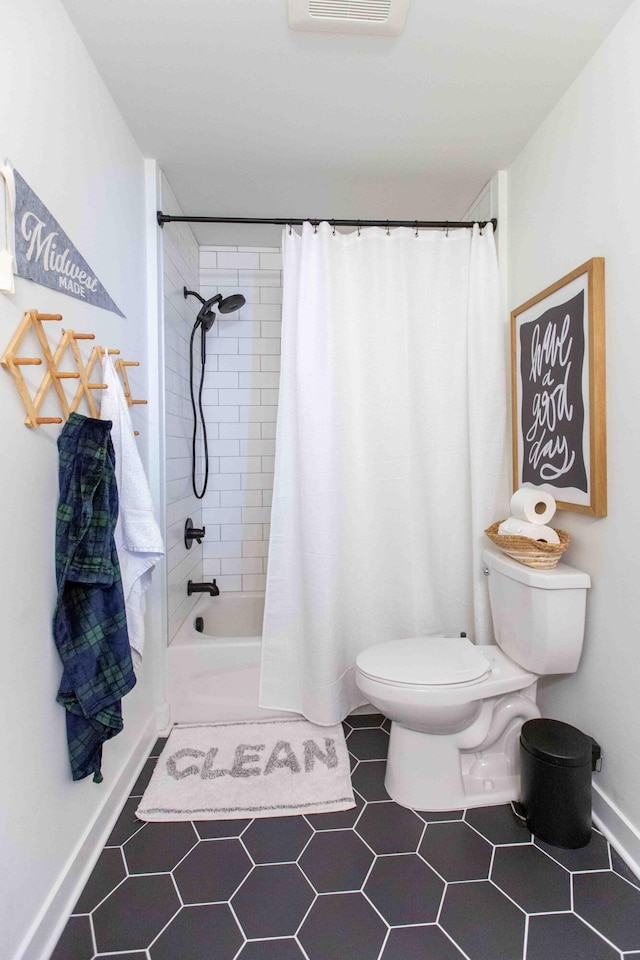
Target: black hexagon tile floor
[{"x": 378, "y": 882}]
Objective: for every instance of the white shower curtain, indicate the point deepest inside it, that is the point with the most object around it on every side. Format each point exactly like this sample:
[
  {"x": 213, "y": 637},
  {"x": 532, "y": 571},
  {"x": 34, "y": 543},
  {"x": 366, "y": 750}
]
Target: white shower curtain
[{"x": 390, "y": 453}]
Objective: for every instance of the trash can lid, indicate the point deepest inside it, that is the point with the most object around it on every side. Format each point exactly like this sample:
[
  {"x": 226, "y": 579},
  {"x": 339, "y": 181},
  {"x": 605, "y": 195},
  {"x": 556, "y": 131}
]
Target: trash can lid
[{"x": 556, "y": 742}]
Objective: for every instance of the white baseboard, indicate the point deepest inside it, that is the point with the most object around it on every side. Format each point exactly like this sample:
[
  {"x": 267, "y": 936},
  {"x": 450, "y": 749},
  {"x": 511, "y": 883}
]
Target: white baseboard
[
  {"x": 617, "y": 828},
  {"x": 46, "y": 929},
  {"x": 163, "y": 720}
]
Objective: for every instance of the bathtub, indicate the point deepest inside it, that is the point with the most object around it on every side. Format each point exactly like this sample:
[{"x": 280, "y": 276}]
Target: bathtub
[{"x": 214, "y": 675}]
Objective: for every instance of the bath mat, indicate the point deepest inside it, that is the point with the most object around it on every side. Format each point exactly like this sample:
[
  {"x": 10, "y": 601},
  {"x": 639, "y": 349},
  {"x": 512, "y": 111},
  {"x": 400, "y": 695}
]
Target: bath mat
[{"x": 268, "y": 768}]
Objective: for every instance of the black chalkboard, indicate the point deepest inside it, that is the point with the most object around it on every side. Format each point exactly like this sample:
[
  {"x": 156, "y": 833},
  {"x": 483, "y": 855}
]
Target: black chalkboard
[
  {"x": 552, "y": 416},
  {"x": 558, "y": 391}
]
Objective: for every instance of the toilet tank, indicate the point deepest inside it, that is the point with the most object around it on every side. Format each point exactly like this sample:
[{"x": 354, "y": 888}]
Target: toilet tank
[{"x": 538, "y": 615}]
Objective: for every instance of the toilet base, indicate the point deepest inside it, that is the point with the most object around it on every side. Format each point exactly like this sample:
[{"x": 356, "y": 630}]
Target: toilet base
[{"x": 429, "y": 771}]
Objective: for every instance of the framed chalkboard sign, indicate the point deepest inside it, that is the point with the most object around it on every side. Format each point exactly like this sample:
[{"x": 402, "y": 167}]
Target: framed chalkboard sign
[{"x": 558, "y": 391}]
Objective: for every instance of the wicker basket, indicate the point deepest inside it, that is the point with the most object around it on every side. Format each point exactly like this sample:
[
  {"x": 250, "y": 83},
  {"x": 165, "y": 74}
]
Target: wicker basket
[{"x": 533, "y": 553}]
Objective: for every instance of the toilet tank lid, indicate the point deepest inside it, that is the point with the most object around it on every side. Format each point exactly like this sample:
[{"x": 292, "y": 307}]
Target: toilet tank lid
[{"x": 562, "y": 577}]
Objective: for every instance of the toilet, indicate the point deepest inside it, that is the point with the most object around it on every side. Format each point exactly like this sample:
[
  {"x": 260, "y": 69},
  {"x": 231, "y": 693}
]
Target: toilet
[{"x": 457, "y": 708}]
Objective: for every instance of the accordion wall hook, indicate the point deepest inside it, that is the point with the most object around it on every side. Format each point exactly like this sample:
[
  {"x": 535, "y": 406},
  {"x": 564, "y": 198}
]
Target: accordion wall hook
[{"x": 63, "y": 363}]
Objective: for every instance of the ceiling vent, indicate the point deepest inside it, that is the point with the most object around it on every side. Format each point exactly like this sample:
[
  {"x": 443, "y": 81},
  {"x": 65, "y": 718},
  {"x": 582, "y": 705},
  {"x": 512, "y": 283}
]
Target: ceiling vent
[{"x": 374, "y": 17}]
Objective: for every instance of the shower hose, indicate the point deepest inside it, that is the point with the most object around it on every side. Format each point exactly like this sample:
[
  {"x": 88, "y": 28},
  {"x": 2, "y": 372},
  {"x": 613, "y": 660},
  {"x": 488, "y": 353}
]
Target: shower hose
[{"x": 203, "y": 357}]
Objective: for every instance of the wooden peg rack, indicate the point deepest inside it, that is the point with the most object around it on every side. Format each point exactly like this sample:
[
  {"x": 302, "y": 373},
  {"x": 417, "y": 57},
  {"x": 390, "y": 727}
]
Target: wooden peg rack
[{"x": 53, "y": 376}]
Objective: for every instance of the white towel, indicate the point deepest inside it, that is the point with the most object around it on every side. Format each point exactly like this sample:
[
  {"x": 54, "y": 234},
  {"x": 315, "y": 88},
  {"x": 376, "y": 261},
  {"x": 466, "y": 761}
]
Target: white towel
[
  {"x": 137, "y": 536},
  {"x": 7, "y": 259}
]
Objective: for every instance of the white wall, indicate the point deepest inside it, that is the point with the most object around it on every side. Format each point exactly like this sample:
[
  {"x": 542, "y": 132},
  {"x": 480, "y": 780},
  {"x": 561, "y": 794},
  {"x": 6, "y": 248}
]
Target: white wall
[
  {"x": 574, "y": 193},
  {"x": 63, "y": 132},
  {"x": 180, "y": 257},
  {"x": 240, "y": 402}
]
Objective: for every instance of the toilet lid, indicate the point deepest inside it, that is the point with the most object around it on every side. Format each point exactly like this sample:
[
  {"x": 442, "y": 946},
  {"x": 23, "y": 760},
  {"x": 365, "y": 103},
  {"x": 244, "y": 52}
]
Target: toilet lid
[{"x": 424, "y": 661}]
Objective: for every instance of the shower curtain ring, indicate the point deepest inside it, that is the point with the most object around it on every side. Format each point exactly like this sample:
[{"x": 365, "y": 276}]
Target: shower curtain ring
[
  {"x": 315, "y": 227},
  {"x": 388, "y": 234},
  {"x": 333, "y": 224},
  {"x": 416, "y": 228},
  {"x": 358, "y": 228},
  {"x": 290, "y": 230},
  {"x": 446, "y": 232}
]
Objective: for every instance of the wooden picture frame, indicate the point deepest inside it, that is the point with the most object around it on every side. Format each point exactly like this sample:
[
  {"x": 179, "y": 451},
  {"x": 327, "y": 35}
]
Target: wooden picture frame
[{"x": 558, "y": 391}]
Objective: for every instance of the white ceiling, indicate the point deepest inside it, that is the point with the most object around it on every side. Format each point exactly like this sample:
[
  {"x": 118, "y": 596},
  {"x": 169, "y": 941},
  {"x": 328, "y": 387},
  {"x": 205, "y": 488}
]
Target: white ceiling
[{"x": 249, "y": 118}]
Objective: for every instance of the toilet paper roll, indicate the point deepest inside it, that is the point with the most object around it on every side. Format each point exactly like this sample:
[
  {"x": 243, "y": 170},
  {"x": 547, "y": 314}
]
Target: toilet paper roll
[
  {"x": 534, "y": 506},
  {"x": 514, "y": 527}
]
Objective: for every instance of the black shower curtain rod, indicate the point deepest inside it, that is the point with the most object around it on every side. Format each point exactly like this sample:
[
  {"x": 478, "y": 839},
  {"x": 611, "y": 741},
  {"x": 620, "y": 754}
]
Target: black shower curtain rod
[{"x": 295, "y": 221}]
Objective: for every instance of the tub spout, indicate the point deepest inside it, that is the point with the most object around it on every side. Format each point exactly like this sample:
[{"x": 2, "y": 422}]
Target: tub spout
[{"x": 210, "y": 588}]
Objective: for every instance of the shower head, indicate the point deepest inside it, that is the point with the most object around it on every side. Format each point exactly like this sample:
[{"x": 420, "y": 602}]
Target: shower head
[
  {"x": 231, "y": 303},
  {"x": 206, "y": 315},
  {"x": 206, "y": 319}
]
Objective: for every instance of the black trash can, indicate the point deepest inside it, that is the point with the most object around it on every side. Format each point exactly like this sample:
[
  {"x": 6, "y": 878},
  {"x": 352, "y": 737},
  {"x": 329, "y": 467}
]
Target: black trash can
[{"x": 557, "y": 760}]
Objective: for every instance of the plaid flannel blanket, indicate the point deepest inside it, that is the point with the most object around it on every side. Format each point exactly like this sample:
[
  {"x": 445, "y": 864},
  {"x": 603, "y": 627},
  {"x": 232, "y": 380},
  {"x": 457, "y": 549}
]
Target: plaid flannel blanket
[{"x": 89, "y": 625}]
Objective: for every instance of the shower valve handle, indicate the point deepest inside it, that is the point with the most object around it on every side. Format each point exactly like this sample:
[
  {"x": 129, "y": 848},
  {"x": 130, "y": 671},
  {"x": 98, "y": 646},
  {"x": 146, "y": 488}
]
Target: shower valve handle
[{"x": 192, "y": 533}]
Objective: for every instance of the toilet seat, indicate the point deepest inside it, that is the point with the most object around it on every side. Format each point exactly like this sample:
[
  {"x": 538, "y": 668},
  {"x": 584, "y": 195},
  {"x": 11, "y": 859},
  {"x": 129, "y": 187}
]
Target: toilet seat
[{"x": 424, "y": 661}]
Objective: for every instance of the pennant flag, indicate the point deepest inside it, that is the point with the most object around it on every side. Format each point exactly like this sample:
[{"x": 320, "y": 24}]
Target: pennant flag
[{"x": 45, "y": 254}]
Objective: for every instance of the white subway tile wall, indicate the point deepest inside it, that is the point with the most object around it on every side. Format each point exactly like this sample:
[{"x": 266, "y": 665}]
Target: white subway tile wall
[
  {"x": 181, "y": 269},
  {"x": 240, "y": 401}
]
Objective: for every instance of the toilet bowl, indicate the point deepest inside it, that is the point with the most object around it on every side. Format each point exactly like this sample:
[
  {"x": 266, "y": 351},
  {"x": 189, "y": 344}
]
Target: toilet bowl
[
  {"x": 457, "y": 708},
  {"x": 449, "y": 745}
]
